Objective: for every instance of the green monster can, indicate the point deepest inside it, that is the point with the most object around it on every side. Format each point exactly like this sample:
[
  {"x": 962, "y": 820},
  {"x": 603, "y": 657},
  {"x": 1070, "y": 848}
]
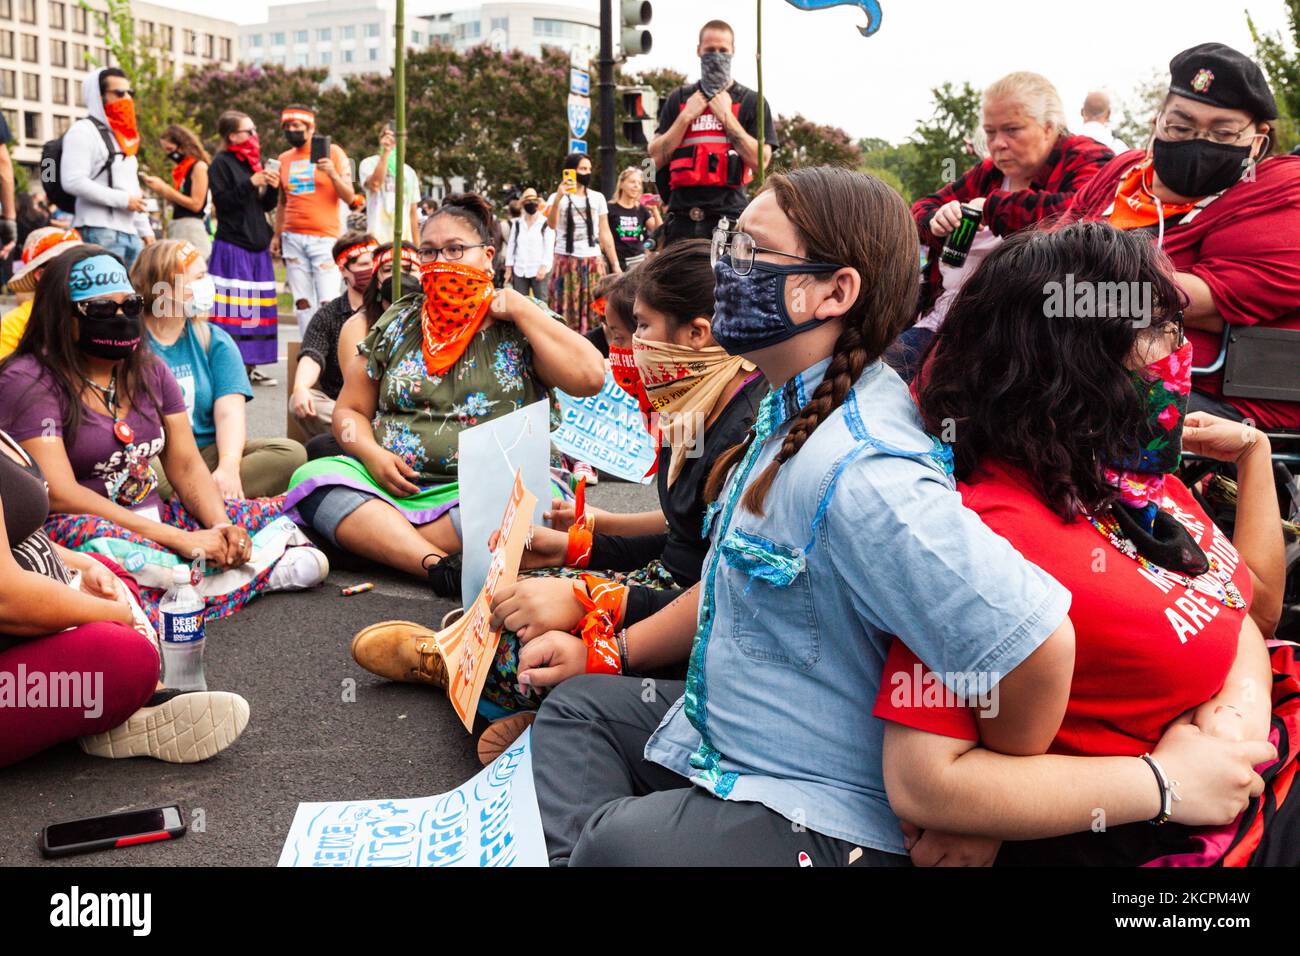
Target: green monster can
[{"x": 960, "y": 239}]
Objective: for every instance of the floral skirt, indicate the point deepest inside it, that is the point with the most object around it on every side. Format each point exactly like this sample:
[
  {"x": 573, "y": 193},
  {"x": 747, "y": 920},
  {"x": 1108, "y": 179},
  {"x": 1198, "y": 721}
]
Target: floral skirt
[
  {"x": 573, "y": 288},
  {"x": 502, "y": 687},
  {"x": 224, "y": 591}
]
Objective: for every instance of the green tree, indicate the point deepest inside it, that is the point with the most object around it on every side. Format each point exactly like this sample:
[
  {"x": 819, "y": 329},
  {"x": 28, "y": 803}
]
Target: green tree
[
  {"x": 939, "y": 153},
  {"x": 805, "y": 143},
  {"x": 260, "y": 91},
  {"x": 1278, "y": 54},
  {"x": 152, "y": 74}
]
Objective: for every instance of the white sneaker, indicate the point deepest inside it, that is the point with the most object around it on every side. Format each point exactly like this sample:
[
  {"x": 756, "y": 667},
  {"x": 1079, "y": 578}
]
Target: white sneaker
[
  {"x": 182, "y": 728},
  {"x": 583, "y": 470},
  {"x": 299, "y": 569}
]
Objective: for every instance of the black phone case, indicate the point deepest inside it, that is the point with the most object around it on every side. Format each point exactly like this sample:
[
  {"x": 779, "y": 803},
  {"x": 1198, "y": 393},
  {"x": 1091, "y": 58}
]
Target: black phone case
[{"x": 108, "y": 843}]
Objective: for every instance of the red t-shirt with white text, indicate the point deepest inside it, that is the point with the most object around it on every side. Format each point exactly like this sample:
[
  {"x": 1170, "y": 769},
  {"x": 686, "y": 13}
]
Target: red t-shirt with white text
[{"x": 1146, "y": 647}]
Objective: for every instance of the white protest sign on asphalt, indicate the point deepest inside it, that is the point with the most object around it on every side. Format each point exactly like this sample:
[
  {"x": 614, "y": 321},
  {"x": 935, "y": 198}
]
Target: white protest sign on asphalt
[
  {"x": 491, "y": 820},
  {"x": 490, "y": 454},
  {"x": 607, "y": 431}
]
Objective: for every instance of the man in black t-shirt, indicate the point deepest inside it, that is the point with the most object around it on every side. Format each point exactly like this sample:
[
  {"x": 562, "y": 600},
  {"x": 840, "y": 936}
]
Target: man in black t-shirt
[{"x": 706, "y": 146}]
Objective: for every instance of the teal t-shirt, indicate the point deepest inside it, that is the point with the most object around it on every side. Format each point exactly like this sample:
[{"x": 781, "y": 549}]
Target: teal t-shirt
[{"x": 204, "y": 376}]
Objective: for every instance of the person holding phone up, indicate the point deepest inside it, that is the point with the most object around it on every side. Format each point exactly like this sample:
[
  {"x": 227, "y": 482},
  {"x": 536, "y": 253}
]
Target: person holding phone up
[
  {"x": 315, "y": 176},
  {"x": 584, "y": 244}
]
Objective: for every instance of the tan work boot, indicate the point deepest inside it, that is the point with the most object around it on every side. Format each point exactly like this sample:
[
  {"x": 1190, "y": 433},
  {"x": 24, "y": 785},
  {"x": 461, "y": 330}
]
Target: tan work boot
[
  {"x": 401, "y": 651},
  {"x": 501, "y": 735}
]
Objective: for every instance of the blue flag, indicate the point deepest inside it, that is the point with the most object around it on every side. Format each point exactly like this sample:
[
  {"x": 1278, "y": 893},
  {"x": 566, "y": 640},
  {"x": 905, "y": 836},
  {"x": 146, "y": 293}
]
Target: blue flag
[{"x": 872, "y": 8}]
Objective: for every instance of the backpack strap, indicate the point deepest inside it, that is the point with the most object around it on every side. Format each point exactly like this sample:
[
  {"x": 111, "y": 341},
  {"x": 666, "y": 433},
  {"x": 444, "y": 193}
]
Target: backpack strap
[{"x": 110, "y": 143}]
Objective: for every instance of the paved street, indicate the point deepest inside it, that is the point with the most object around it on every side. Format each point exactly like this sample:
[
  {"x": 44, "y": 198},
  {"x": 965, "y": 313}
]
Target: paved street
[{"x": 288, "y": 655}]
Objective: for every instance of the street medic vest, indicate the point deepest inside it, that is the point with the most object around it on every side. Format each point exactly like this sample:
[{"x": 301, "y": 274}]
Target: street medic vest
[{"x": 705, "y": 158}]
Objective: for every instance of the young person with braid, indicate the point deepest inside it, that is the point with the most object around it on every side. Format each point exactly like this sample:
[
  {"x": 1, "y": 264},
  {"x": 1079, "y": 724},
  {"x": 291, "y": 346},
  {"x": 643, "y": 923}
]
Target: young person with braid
[{"x": 833, "y": 526}]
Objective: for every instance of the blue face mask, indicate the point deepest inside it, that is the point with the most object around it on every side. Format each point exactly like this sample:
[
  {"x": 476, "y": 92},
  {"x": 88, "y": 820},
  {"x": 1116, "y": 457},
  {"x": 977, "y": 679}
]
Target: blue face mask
[{"x": 749, "y": 312}]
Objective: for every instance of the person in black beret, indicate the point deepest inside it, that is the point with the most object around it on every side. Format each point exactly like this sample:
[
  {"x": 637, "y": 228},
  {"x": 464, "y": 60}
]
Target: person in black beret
[{"x": 1212, "y": 195}]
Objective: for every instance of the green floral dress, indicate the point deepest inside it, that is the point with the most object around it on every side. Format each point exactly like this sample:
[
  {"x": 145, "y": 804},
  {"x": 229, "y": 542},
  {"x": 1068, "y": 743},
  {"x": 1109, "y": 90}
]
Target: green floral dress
[{"x": 419, "y": 417}]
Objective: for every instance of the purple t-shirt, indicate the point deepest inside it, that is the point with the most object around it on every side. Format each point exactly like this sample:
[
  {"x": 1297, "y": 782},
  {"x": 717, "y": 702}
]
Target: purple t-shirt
[{"x": 32, "y": 404}]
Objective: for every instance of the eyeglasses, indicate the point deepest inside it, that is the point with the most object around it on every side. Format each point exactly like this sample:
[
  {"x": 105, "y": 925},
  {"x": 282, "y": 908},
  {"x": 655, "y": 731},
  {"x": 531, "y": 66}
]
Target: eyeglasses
[
  {"x": 120, "y": 94},
  {"x": 1182, "y": 132},
  {"x": 102, "y": 309},
  {"x": 452, "y": 252},
  {"x": 740, "y": 247},
  {"x": 1170, "y": 327}
]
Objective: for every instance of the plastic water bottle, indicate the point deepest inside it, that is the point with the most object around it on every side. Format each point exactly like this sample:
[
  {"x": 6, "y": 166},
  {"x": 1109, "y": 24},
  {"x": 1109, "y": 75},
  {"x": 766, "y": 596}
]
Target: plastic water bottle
[{"x": 182, "y": 633}]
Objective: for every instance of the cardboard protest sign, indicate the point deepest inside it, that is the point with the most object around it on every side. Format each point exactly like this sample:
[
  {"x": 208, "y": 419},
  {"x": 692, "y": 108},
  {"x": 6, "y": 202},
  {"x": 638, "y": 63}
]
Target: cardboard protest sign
[
  {"x": 489, "y": 456},
  {"x": 606, "y": 430},
  {"x": 469, "y": 645},
  {"x": 491, "y": 820}
]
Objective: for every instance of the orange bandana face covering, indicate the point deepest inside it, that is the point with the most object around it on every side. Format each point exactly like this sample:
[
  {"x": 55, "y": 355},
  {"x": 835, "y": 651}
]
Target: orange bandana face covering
[
  {"x": 121, "y": 120},
  {"x": 181, "y": 170},
  {"x": 1134, "y": 208},
  {"x": 456, "y": 300}
]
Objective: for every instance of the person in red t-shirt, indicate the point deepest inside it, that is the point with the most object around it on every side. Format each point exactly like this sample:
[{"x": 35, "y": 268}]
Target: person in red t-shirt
[
  {"x": 1068, "y": 428},
  {"x": 1227, "y": 213}
]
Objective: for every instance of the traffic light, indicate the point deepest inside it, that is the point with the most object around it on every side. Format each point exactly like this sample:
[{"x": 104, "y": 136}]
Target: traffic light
[
  {"x": 634, "y": 38},
  {"x": 640, "y": 115}
]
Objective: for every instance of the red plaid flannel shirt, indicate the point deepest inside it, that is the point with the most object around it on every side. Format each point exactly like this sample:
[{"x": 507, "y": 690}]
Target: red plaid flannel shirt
[{"x": 1069, "y": 167}]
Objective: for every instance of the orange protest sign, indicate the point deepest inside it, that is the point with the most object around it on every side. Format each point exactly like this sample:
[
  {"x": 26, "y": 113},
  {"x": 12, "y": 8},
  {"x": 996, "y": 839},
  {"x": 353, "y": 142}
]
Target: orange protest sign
[{"x": 469, "y": 645}]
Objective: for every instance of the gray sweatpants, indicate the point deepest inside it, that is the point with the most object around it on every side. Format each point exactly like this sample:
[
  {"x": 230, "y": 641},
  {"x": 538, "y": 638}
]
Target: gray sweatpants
[{"x": 604, "y": 804}]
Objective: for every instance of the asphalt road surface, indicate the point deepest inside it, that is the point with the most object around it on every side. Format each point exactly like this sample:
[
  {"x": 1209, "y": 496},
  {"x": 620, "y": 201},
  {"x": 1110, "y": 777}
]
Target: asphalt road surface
[{"x": 288, "y": 655}]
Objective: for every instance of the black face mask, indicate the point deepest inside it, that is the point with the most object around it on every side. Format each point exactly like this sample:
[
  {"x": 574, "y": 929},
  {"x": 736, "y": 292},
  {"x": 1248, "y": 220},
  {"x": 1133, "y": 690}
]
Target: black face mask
[
  {"x": 409, "y": 285},
  {"x": 584, "y": 179},
  {"x": 114, "y": 338},
  {"x": 176, "y": 156},
  {"x": 296, "y": 137},
  {"x": 530, "y": 207},
  {"x": 1198, "y": 167}
]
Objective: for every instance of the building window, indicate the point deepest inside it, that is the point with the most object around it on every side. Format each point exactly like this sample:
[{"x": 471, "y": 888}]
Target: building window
[
  {"x": 57, "y": 12},
  {"x": 225, "y": 48},
  {"x": 30, "y": 51},
  {"x": 326, "y": 58},
  {"x": 101, "y": 24},
  {"x": 61, "y": 125},
  {"x": 32, "y": 127},
  {"x": 277, "y": 38},
  {"x": 300, "y": 59},
  {"x": 7, "y": 44},
  {"x": 6, "y": 9},
  {"x": 374, "y": 53},
  {"x": 570, "y": 30},
  {"x": 58, "y": 53},
  {"x": 323, "y": 35},
  {"x": 416, "y": 36},
  {"x": 347, "y": 56},
  {"x": 372, "y": 29},
  {"x": 500, "y": 23},
  {"x": 349, "y": 33},
  {"x": 78, "y": 19},
  {"x": 168, "y": 36},
  {"x": 77, "y": 98},
  {"x": 61, "y": 90},
  {"x": 209, "y": 45},
  {"x": 11, "y": 118},
  {"x": 299, "y": 36},
  {"x": 253, "y": 40},
  {"x": 79, "y": 53},
  {"x": 31, "y": 86},
  {"x": 8, "y": 84},
  {"x": 27, "y": 11}
]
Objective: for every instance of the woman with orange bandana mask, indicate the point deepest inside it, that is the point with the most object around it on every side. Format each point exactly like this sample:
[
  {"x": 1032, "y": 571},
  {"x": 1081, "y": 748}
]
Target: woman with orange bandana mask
[
  {"x": 450, "y": 356},
  {"x": 99, "y": 167}
]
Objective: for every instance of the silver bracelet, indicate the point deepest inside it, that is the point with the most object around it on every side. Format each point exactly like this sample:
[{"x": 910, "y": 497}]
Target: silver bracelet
[{"x": 1167, "y": 794}]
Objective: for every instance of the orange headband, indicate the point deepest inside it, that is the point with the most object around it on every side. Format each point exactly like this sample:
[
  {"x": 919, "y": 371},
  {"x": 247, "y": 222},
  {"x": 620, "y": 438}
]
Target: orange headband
[
  {"x": 306, "y": 116},
  {"x": 187, "y": 255},
  {"x": 410, "y": 260},
  {"x": 49, "y": 242},
  {"x": 355, "y": 250}
]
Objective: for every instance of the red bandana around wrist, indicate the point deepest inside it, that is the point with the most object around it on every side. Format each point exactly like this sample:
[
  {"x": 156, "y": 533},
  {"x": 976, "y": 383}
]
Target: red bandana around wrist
[
  {"x": 456, "y": 300},
  {"x": 602, "y": 599},
  {"x": 121, "y": 120}
]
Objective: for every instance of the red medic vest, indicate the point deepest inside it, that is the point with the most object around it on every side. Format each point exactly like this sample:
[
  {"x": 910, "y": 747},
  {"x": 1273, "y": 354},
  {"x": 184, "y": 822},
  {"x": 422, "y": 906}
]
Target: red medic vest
[{"x": 705, "y": 158}]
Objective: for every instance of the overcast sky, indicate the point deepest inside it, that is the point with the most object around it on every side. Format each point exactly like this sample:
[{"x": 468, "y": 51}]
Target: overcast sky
[{"x": 816, "y": 63}]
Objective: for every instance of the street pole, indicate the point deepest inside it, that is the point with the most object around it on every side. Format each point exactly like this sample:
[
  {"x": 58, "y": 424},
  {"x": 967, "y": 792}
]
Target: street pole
[
  {"x": 758, "y": 60},
  {"x": 399, "y": 86},
  {"x": 606, "y": 66}
]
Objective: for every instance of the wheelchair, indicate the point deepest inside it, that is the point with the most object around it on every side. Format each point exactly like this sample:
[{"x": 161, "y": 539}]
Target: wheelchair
[{"x": 1258, "y": 362}]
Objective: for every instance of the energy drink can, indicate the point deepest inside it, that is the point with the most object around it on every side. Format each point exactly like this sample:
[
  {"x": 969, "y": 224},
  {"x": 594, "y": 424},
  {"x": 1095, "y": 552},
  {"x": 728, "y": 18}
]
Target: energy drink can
[{"x": 960, "y": 239}]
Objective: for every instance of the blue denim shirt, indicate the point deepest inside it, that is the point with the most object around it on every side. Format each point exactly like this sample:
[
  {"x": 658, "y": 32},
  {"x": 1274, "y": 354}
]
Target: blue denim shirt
[{"x": 864, "y": 537}]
